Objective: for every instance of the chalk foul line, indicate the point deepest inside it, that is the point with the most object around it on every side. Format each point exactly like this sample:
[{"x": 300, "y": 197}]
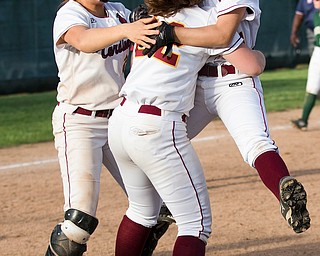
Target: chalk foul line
[{"x": 195, "y": 140}]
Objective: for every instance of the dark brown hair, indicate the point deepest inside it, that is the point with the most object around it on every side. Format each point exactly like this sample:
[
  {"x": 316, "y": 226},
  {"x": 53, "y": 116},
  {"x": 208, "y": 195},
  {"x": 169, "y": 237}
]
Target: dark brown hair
[{"x": 167, "y": 8}]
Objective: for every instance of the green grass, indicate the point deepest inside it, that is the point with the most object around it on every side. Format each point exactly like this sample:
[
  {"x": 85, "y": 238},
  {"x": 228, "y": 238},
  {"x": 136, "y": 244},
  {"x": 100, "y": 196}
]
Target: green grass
[
  {"x": 26, "y": 118},
  {"x": 284, "y": 88}
]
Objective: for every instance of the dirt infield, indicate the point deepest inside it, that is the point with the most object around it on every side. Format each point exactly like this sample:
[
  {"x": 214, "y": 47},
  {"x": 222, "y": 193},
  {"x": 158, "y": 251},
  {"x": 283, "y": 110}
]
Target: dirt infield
[{"x": 246, "y": 218}]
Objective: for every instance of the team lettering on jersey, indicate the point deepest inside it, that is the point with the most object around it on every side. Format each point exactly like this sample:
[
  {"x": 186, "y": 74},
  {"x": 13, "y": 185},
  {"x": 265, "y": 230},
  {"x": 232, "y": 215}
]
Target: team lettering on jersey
[
  {"x": 122, "y": 46},
  {"x": 172, "y": 58},
  {"x": 117, "y": 48}
]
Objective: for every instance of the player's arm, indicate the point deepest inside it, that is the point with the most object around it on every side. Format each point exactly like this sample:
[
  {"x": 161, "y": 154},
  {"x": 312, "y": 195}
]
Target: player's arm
[
  {"x": 91, "y": 40},
  {"x": 217, "y": 35},
  {"x": 248, "y": 61},
  {"x": 296, "y": 24}
]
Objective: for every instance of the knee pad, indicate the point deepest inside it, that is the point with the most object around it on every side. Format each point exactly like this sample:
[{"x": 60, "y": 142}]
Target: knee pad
[
  {"x": 69, "y": 238},
  {"x": 61, "y": 245}
]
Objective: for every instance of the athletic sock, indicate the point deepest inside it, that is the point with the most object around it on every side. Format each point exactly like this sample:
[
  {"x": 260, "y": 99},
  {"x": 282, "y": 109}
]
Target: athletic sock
[
  {"x": 271, "y": 169},
  {"x": 309, "y": 102},
  {"x": 131, "y": 238},
  {"x": 189, "y": 246}
]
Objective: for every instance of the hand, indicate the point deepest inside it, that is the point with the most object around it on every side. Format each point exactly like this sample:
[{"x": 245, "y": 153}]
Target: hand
[
  {"x": 294, "y": 40},
  {"x": 165, "y": 38},
  {"x": 140, "y": 12},
  {"x": 142, "y": 31}
]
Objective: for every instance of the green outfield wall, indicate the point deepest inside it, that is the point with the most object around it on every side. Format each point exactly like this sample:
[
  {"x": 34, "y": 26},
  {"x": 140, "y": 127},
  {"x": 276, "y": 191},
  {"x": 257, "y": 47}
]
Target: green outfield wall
[{"x": 26, "y": 56}]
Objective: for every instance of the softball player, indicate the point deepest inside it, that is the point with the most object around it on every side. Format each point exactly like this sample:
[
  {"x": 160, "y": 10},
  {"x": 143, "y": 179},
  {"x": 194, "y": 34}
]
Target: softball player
[
  {"x": 237, "y": 98},
  {"x": 91, "y": 43},
  {"x": 147, "y": 136},
  {"x": 303, "y": 14},
  {"x": 313, "y": 82}
]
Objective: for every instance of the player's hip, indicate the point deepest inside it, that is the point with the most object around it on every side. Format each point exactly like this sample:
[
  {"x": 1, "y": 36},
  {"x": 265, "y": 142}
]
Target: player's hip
[
  {"x": 228, "y": 83},
  {"x": 78, "y": 126},
  {"x": 147, "y": 131},
  {"x": 146, "y": 114}
]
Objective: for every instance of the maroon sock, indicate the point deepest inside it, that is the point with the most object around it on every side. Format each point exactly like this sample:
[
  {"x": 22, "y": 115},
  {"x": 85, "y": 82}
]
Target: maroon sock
[
  {"x": 189, "y": 246},
  {"x": 131, "y": 238},
  {"x": 271, "y": 169}
]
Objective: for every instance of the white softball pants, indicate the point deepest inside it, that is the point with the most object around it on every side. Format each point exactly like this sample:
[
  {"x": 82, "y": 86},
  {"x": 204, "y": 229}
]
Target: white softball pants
[
  {"x": 241, "y": 108},
  {"x": 82, "y": 145},
  {"x": 313, "y": 82},
  {"x": 157, "y": 161}
]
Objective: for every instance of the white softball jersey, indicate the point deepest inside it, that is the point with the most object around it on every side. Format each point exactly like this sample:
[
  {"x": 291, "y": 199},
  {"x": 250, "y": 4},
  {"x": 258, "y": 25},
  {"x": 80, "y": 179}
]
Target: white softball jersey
[
  {"x": 76, "y": 68},
  {"x": 252, "y": 15},
  {"x": 248, "y": 30},
  {"x": 169, "y": 83}
]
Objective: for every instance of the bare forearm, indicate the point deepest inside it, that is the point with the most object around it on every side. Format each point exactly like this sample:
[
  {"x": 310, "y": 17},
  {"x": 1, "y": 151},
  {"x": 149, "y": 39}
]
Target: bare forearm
[
  {"x": 209, "y": 36},
  {"x": 216, "y": 35},
  {"x": 296, "y": 23},
  {"x": 250, "y": 62},
  {"x": 92, "y": 40}
]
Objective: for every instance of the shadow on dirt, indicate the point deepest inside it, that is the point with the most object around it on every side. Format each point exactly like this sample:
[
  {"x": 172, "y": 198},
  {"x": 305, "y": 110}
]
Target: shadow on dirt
[
  {"x": 252, "y": 178},
  {"x": 305, "y": 249}
]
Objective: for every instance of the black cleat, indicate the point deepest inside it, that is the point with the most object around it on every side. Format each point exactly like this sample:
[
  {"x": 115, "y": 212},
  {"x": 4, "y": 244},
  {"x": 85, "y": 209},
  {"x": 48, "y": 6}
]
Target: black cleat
[
  {"x": 300, "y": 124},
  {"x": 293, "y": 203},
  {"x": 165, "y": 219},
  {"x": 165, "y": 215}
]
